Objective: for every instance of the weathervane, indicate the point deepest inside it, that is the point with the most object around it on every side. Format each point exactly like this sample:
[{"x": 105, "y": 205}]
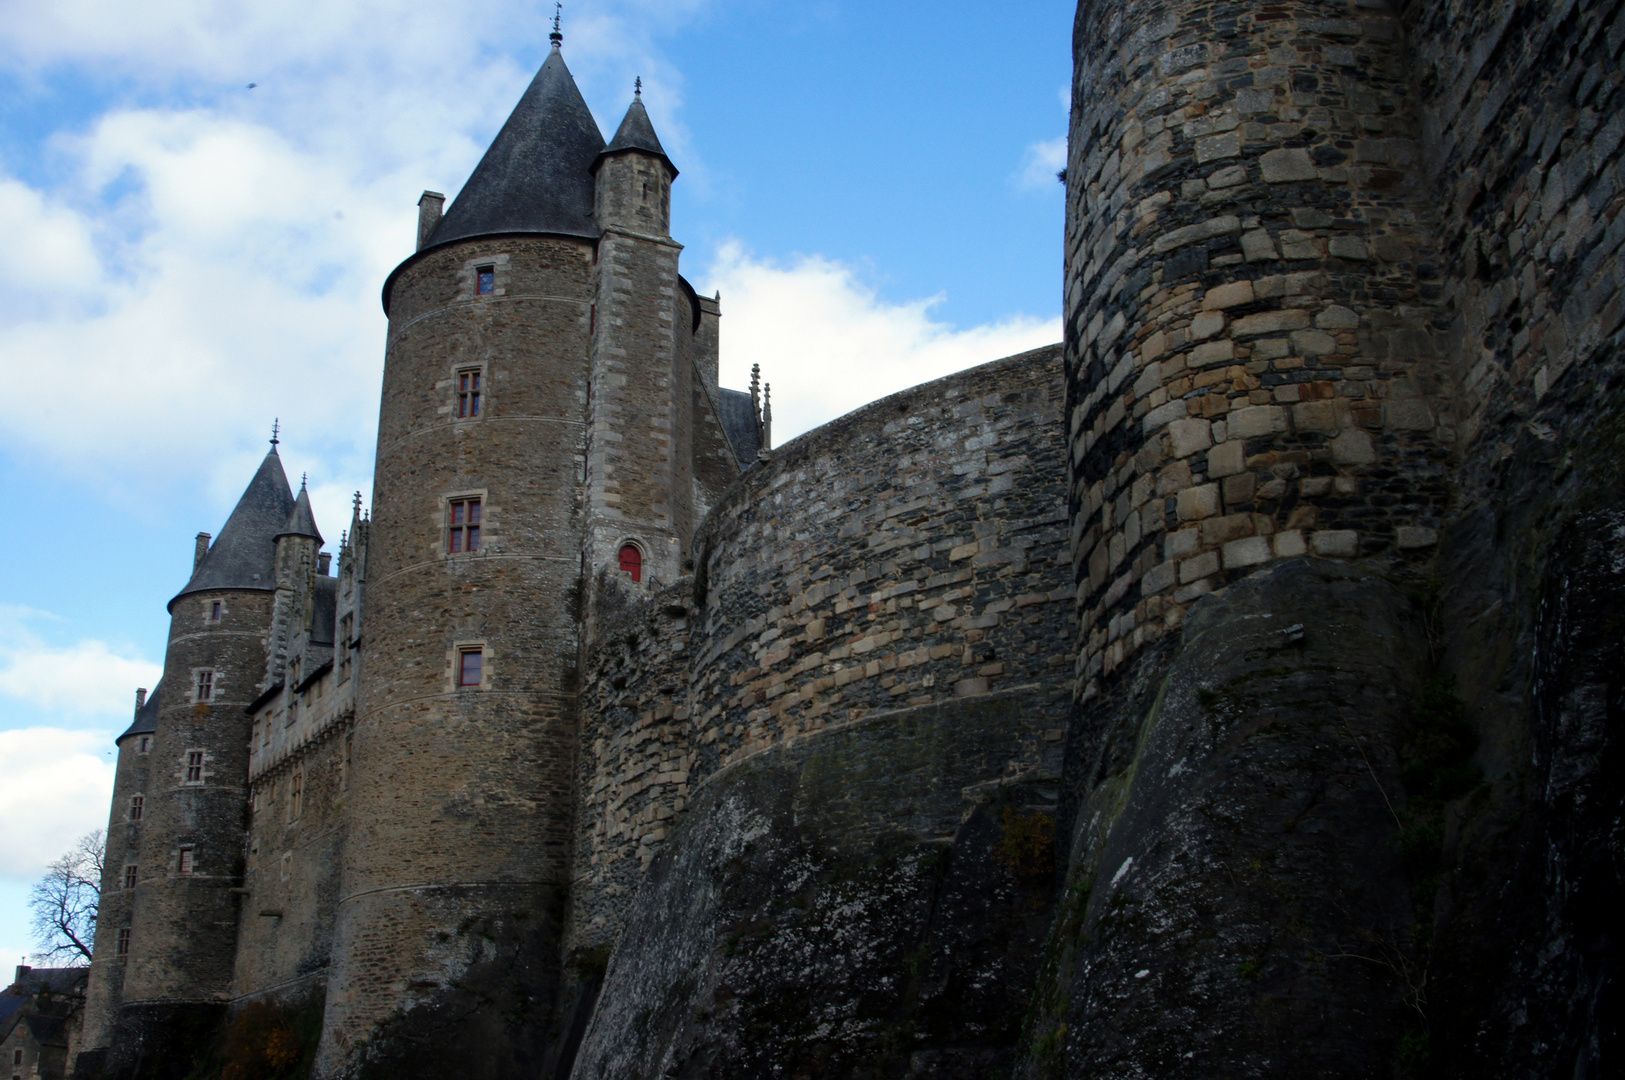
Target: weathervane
[
  {"x": 276, "y": 426},
  {"x": 556, "y": 37},
  {"x": 637, "y": 87}
]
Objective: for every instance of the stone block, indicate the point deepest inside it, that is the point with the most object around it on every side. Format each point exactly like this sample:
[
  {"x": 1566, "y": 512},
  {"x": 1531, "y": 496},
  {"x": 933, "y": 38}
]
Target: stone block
[
  {"x": 1286, "y": 165},
  {"x": 1298, "y": 245},
  {"x": 1159, "y": 577},
  {"x": 1257, "y": 421},
  {"x": 1410, "y": 537},
  {"x": 1353, "y": 447},
  {"x": 970, "y": 687},
  {"x": 1213, "y": 352},
  {"x": 1320, "y": 417},
  {"x": 1190, "y": 436},
  {"x": 1270, "y": 322},
  {"x": 1190, "y": 234},
  {"x": 1313, "y": 343},
  {"x": 1289, "y": 544},
  {"x": 1335, "y": 543},
  {"x": 1348, "y": 247},
  {"x": 1222, "y": 530},
  {"x": 1181, "y": 543},
  {"x": 1214, "y": 147},
  {"x": 1200, "y": 567},
  {"x": 1336, "y": 317},
  {"x": 1206, "y": 323},
  {"x": 1195, "y": 503},
  {"x": 1239, "y": 489},
  {"x": 1229, "y": 176},
  {"x": 1163, "y": 415},
  {"x": 1247, "y": 552},
  {"x": 1256, "y": 246},
  {"x": 1228, "y": 295},
  {"x": 1225, "y": 459}
]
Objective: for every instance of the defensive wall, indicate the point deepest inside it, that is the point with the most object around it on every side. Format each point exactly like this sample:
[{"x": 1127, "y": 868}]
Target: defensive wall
[{"x": 890, "y": 586}]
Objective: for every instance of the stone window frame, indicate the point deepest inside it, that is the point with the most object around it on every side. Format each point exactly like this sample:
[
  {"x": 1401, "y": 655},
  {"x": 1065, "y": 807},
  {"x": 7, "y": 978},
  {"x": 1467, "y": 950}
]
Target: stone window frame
[
  {"x": 643, "y": 557},
  {"x": 454, "y": 660},
  {"x": 138, "y": 807},
  {"x": 483, "y": 370},
  {"x": 444, "y": 541},
  {"x": 210, "y": 607},
  {"x": 143, "y": 744},
  {"x": 186, "y": 859},
  {"x": 121, "y": 945},
  {"x": 468, "y": 281},
  {"x": 195, "y": 758},
  {"x": 205, "y": 678},
  {"x": 132, "y": 876},
  {"x": 296, "y": 795}
]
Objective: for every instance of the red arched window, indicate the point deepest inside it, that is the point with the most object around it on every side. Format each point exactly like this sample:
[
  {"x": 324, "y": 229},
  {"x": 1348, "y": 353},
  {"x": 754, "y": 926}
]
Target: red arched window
[{"x": 632, "y": 561}]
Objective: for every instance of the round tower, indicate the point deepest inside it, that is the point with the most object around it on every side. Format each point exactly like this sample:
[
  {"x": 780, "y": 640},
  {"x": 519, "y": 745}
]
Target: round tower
[
  {"x": 457, "y": 860},
  {"x": 183, "y": 910},
  {"x": 120, "y": 863}
]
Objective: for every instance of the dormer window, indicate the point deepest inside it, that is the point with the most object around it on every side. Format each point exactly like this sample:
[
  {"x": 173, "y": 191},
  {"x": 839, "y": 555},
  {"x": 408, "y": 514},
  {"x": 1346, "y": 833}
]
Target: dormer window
[
  {"x": 469, "y": 392},
  {"x": 632, "y": 561},
  {"x": 485, "y": 280}
]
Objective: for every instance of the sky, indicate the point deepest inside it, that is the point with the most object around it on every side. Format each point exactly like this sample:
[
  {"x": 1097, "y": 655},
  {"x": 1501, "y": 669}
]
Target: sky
[{"x": 200, "y": 200}]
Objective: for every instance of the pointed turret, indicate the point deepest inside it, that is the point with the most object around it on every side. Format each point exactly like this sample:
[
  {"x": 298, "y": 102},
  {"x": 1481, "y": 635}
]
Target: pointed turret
[
  {"x": 537, "y": 175},
  {"x": 636, "y": 133},
  {"x": 243, "y": 556},
  {"x": 301, "y": 522}
]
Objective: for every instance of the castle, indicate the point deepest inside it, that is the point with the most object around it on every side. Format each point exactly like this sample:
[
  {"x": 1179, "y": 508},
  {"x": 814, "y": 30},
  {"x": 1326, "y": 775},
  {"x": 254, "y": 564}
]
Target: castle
[{"x": 1232, "y": 690}]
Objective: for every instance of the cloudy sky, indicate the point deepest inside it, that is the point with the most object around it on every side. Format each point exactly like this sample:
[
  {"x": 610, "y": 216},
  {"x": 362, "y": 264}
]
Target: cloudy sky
[{"x": 199, "y": 200}]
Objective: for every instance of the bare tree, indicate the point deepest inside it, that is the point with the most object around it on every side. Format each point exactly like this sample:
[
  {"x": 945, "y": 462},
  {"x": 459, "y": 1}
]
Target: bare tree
[{"x": 65, "y": 901}]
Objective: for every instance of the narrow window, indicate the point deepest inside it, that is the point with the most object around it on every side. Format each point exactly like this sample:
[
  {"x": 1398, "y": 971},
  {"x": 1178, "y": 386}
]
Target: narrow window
[
  {"x": 194, "y": 767},
  {"x": 346, "y": 630},
  {"x": 344, "y": 671},
  {"x": 632, "y": 561},
  {"x": 123, "y": 947},
  {"x": 465, "y": 525},
  {"x": 470, "y": 666},
  {"x": 214, "y": 611},
  {"x": 592, "y": 321},
  {"x": 344, "y": 768},
  {"x": 486, "y": 280},
  {"x": 296, "y": 796},
  {"x": 137, "y": 804},
  {"x": 469, "y": 390},
  {"x": 205, "y": 685},
  {"x": 17, "y": 1056},
  {"x": 130, "y": 876},
  {"x": 187, "y": 861},
  {"x": 144, "y": 744}
]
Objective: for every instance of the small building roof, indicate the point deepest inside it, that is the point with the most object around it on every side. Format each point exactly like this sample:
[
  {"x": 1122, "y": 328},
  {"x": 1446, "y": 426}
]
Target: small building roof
[
  {"x": 243, "y": 555},
  {"x": 146, "y": 717},
  {"x": 636, "y": 133},
  {"x": 537, "y": 175},
  {"x": 738, "y": 418}
]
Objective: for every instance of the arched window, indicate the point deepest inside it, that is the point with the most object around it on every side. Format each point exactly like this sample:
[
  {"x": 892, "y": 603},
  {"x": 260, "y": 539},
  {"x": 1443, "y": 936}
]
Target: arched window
[{"x": 632, "y": 561}]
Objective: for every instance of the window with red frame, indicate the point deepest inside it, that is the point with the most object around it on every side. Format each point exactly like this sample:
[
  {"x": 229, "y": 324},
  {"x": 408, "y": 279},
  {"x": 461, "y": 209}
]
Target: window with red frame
[
  {"x": 465, "y": 525},
  {"x": 470, "y": 667},
  {"x": 468, "y": 393},
  {"x": 632, "y": 561},
  {"x": 188, "y": 860},
  {"x": 485, "y": 280}
]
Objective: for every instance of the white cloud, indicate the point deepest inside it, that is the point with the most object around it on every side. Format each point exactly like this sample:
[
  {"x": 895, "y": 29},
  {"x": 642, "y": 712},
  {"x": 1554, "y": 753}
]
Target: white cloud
[
  {"x": 828, "y": 343},
  {"x": 87, "y": 678},
  {"x": 1043, "y": 161},
  {"x": 57, "y": 789}
]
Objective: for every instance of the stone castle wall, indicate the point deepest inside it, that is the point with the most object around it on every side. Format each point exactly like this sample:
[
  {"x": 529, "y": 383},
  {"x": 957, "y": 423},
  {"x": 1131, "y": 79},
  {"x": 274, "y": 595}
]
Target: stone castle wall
[{"x": 911, "y": 553}]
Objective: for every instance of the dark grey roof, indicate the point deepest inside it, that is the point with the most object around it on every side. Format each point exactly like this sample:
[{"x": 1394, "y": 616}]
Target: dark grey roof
[
  {"x": 636, "y": 133},
  {"x": 301, "y": 522},
  {"x": 536, "y": 177},
  {"x": 242, "y": 556},
  {"x": 738, "y": 418},
  {"x": 146, "y": 717}
]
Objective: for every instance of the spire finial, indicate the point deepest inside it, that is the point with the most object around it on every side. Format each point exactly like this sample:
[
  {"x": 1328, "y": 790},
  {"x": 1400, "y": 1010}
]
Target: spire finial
[
  {"x": 637, "y": 87},
  {"x": 358, "y": 502},
  {"x": 276, "y": 426},
  {"x": 556, "y": 37},
  {"x": 303, "y": 477}
]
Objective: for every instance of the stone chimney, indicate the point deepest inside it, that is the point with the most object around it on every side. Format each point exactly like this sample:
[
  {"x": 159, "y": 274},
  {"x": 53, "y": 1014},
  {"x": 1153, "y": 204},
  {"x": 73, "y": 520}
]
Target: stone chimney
[
  {"x": 140, "y": 697},
  {"x": 201, "y": 550},
  {"x": 430, "y": 206},
  {"x": 323, "y": 561}
]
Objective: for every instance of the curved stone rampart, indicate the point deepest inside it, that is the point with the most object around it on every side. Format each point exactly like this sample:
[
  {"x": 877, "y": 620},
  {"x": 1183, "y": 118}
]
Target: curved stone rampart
[{"x": 911, "y": 552}]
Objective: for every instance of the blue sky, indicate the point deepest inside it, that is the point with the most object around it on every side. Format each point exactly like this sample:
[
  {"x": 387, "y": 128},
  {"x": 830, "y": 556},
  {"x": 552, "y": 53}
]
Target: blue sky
[{"x": 869, "y": 185}]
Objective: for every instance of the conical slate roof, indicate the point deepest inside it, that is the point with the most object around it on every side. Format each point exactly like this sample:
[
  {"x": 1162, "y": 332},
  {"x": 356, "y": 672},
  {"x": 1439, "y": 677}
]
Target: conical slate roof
[
  {"x": 636, "y": 133},
  {"x": 301, "y": 522},
  {"x": 146, "y": 717},
  {"x": 241, "y": 557},
  {"x": 537, "y": 175}
]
